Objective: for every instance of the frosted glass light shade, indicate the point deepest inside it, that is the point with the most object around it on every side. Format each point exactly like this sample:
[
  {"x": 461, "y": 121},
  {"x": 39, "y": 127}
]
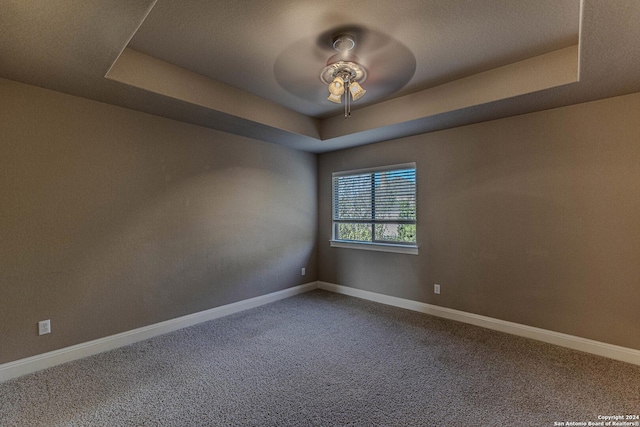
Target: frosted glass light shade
[
  {"x": 337, "y": 86},
  {"x": 335, "y": 98},
  {"x": 336, "y": 89},
  {"x": 357, "y": 91}
]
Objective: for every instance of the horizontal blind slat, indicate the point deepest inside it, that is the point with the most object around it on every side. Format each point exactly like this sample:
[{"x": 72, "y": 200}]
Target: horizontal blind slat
[{"x": 395, "y": 196}]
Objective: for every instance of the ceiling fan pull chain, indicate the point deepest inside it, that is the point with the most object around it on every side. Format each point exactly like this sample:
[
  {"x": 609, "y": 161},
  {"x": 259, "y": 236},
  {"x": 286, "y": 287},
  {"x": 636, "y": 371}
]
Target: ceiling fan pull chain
[
  {"x": 346, "y": 99},
  {"x": 349, "y": 99}
]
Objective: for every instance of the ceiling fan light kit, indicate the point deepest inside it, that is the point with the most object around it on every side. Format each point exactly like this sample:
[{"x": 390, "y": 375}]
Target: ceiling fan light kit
[
  {"x": 356, "y": 90},
  {"x": 344, "y": 73},
  {"x": 336, "y": 89}
]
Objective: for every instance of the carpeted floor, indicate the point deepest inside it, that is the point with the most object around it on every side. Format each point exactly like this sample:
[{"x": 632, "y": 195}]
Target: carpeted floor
[{"x": 323, "y": 359}]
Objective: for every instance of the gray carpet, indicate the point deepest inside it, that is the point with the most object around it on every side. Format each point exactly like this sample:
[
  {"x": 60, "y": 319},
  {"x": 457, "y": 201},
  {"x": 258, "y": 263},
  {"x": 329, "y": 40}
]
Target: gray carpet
[{"x": 323, "y": 359}]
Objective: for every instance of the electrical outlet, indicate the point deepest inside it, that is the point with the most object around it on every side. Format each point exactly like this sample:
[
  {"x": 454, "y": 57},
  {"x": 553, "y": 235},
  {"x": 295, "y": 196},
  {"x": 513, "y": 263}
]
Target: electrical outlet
[
  {"x": 44, "y": 327},
  {"x": 304, "y": 271},
  {"x": 436, "y": 289}
]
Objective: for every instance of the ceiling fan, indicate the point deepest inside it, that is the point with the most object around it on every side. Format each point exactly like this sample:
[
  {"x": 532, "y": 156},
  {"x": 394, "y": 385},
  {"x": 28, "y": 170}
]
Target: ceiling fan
[
  {"x": 344, "y": 73},
  {"x": 343, "y": 58}
]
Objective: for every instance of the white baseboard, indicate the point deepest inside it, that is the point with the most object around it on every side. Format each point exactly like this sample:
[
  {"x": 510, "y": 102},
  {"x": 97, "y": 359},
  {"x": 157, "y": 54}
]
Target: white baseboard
[
  {"x": 564, "y": 340},
  {"x": 67, "y": 354}
]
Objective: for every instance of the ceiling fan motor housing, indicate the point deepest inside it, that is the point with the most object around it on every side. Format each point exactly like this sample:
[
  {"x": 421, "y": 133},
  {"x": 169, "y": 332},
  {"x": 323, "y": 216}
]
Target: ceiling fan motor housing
[{"x": 345, "y": 66}]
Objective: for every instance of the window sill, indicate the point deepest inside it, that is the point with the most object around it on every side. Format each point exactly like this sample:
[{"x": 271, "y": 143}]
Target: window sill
[{"x": 379, "y": 247}]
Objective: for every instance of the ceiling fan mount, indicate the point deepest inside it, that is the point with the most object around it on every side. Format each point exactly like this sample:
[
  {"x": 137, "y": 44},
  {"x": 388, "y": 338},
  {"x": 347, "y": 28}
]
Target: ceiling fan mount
[
  {"x": 344, "y": 64},
  {"x": 344, "y": 73},
  {"x": 343, "y": 42}
]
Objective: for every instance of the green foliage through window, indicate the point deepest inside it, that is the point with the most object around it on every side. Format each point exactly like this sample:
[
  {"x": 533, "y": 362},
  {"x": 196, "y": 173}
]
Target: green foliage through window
[{"x": 376, "y": 206}]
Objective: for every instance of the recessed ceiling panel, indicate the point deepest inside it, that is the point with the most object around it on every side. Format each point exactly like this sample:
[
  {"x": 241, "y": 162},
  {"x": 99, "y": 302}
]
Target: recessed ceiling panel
[
  {"x": 474, "y": 61},
  {"x": 274, "y": 49}
]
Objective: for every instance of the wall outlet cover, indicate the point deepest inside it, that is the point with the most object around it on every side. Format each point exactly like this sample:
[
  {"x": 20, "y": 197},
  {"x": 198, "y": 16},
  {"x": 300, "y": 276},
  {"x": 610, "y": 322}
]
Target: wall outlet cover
[{"x": 44, "y": 327}]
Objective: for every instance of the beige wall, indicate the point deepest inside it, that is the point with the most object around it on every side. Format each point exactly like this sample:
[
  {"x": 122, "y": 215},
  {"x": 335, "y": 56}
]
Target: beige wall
[
  {"x": 112, "y": 219},
  {"x": 533, "y": 219}
]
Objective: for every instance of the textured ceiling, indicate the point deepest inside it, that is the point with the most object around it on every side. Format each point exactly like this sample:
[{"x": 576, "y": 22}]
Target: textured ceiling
[
  {"x": 252, "y": 67},
  {"x": 276, "y": 49}
]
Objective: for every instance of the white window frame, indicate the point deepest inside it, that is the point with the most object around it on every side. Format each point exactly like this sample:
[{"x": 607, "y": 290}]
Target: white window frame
[{"x": 403, "y": 248}]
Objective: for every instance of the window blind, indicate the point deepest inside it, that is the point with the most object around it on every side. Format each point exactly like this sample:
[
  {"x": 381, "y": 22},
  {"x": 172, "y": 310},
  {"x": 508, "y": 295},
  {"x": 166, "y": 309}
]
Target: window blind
[{"x": 381, "y": 199}]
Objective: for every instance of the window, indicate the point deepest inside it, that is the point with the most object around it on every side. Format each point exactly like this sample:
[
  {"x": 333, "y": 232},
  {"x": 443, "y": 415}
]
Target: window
[{"x": 376, "y": 209}]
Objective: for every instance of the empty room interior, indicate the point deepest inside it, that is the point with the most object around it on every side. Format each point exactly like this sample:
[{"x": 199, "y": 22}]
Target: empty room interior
[{"x": 293, "y": 212}]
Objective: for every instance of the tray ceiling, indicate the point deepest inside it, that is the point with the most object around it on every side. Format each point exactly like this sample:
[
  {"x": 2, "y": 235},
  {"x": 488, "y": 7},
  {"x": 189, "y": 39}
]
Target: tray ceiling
[{"x": 252, "y": 67}]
